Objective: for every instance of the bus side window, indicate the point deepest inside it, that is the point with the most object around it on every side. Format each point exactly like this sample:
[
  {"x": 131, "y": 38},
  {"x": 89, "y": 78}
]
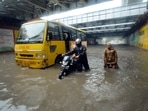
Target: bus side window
[
  {"x": 81, "y": 35},
  {"x": 54, "y": 29},
  {"x": 60, "y": 32},
  {"x": 66, "y": 36},
  {"x": 49, "y": 35},
  {"x": 74, "y": 35}
]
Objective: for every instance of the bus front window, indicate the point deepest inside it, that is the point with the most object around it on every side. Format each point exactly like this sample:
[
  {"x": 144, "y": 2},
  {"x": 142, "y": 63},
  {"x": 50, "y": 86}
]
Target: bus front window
[{"x": 31, "y": 33}]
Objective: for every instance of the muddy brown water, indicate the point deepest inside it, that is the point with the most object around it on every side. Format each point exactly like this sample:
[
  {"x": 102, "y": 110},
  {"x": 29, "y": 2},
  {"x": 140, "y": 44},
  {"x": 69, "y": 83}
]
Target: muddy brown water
[{"x": 123, "y": 89}]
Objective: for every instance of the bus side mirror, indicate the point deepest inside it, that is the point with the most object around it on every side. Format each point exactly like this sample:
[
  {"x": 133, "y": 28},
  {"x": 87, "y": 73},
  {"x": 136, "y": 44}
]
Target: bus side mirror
[{"x": 49, "y": 36}]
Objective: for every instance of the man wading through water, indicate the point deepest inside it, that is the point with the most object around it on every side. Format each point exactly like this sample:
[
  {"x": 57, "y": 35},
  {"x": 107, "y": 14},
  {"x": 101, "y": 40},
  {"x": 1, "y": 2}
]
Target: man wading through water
[{"x": 110, "y": 57}]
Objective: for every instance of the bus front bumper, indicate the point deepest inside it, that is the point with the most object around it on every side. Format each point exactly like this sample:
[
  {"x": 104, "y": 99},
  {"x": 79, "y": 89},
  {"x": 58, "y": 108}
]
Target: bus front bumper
[{"x": 32, "y": 63}]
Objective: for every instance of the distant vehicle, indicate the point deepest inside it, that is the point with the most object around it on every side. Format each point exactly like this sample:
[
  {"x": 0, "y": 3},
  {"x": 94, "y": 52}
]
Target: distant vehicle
[{"x": 41, "y": 43}]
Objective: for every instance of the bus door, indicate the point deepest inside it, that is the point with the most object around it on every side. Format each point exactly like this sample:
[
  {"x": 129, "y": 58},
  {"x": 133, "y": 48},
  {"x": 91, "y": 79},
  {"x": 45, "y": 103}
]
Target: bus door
[{"x": 56, "y": 47}]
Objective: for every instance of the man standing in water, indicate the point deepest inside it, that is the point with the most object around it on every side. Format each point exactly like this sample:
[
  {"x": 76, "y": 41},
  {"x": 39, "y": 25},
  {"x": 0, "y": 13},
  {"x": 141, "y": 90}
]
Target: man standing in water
[{"x": 110, "y": 57}]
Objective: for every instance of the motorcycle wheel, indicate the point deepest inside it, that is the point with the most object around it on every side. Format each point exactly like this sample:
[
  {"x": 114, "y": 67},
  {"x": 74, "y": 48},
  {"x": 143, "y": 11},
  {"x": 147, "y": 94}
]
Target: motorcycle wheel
[{"x": 63, "y": 73}]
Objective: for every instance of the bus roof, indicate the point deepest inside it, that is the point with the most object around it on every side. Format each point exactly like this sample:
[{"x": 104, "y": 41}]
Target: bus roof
[
  {"x": 53, "y": 21},
  {"x": 66, "y": 25}
]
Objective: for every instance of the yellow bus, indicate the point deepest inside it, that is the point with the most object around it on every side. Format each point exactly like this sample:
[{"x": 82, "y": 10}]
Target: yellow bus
[{"x": 40, "y": 43}]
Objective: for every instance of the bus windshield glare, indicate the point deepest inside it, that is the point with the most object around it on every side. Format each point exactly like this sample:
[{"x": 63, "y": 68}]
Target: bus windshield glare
[{"x": 31, "y": 33}]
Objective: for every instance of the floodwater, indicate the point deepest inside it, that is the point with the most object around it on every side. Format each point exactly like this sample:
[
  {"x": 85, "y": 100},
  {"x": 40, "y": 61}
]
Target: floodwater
[{"x": 123, "y": 89}]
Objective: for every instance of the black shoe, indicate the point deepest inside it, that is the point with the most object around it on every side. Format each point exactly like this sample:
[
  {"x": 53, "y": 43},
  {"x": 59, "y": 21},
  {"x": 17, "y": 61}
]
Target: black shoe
[
  {"x": 60, "y": 77},
  {"x": 79, "y": 70},
  {"x": 87, "y": 70}
]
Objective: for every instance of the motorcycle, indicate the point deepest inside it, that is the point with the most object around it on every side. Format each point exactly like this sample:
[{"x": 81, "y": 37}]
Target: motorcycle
[{"x": 68, "y": 65}]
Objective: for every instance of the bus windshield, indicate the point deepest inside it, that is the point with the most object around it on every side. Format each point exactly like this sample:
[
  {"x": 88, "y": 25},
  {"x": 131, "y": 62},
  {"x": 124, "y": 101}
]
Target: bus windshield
[{"x": 31, "y": 33}]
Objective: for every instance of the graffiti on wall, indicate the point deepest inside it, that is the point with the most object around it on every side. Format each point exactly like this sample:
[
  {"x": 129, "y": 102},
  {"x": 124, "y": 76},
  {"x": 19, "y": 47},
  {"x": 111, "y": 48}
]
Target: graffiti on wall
[
  {"x": 133, "y": 39},
  {"x": 140, "y": 38}
]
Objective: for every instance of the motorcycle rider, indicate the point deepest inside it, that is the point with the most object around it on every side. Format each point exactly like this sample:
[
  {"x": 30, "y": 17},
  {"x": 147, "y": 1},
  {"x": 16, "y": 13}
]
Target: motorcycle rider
[
  {"x": 110, "y": 57},
  {"x": 80, "y": 54}
]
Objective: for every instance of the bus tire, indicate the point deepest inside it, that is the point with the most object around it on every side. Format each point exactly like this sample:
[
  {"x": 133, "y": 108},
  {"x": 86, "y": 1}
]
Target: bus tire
[{"x": 58, "y": 59}]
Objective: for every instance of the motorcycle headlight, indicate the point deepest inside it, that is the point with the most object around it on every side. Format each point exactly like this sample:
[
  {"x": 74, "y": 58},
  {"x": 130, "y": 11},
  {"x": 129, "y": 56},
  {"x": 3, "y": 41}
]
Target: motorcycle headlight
[
  {"x": 65, "y": 63},
  {"x": 40, "y": 55}
]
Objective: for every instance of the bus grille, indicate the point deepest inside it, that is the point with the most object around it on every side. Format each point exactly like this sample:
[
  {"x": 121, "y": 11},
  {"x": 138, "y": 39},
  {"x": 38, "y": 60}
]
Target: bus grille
[{"x": 26, "y": 55}]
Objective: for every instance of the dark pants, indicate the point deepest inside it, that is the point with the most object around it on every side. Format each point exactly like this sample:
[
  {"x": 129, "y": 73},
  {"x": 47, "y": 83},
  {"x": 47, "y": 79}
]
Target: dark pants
[{"x": 84, "y": 62}]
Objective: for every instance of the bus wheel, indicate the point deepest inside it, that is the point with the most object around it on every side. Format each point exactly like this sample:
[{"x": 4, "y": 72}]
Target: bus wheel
[{"x": 58, "y": 59}]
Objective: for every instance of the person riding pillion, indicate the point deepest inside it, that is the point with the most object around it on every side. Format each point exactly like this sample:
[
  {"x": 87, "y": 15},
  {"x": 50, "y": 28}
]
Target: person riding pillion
[{"x": 80, "y": 54}]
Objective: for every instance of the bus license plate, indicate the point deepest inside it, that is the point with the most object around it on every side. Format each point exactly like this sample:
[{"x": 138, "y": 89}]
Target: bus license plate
[{"x": 26, "y": 63}]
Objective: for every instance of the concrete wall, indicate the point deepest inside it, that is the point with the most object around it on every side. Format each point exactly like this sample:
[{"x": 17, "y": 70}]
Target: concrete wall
[{"x": 7, "y": 39}]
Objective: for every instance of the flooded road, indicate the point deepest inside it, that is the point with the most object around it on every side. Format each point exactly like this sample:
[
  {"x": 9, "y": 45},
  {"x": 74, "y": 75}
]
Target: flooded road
[{"x": 123, "y": 89}]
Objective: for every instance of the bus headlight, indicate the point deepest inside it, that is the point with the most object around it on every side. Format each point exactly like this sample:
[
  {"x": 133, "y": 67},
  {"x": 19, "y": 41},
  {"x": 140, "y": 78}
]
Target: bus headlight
[{"x": 40, "y": 55}]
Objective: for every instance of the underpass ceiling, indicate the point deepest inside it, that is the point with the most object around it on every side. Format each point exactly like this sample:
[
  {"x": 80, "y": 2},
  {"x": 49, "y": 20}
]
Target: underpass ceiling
[
  {"x": 112, "y": 27},
  {"x": 29, "y": 9}
]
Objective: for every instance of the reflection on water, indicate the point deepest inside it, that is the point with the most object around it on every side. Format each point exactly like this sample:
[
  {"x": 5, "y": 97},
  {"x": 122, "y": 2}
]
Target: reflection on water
[
  {"x": 7, "y": 106},
  {"x": 93, "y": 82},
  {"x": 123, "y": 89}
]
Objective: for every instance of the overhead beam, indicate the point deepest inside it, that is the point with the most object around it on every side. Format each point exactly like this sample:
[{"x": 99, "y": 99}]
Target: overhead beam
[
  {"x": 106, "y": 30},
  {"x": 37, "y": 4},
  {"x": 58, "y": 3},
  {"x": 24, "y": 9},
  {"x": 110, "y": 25},
  {"x": 82, "y": 2}
]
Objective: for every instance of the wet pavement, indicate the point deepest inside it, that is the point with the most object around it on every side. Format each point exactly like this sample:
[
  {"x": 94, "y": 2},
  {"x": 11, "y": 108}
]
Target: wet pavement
[{"x": 123, "y": 89}]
